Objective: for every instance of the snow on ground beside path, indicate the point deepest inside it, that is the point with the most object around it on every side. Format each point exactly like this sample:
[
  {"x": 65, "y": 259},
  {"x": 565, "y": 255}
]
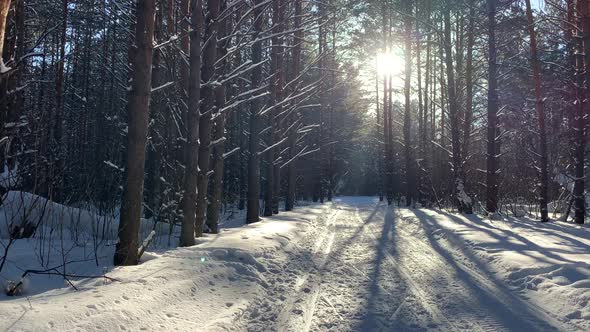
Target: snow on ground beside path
[
  {"x": 54, "y": 219},
  {"x": 547, "y": 263},
  {"x": 204, "y": 287},
  {"x": 351, "y": 265}
]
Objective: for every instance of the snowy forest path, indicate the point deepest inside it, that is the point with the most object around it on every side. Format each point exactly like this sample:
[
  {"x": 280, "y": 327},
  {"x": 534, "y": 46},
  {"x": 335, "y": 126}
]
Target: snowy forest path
[{"x": 368, "y": 267}]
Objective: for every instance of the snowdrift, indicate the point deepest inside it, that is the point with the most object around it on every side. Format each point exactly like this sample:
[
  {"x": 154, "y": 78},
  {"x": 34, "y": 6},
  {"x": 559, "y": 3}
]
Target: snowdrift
[
  {"x": 204, "y": 287},
  {"x": 52, "y": 219}
]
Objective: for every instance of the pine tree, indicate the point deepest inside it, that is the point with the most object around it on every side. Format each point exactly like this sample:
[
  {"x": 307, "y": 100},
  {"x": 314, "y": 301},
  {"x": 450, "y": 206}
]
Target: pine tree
[{"x": 139, "y": 100}]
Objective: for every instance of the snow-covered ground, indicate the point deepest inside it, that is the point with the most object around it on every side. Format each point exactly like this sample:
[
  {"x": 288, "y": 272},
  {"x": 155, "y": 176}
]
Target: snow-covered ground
[
  {"x": 350, "y": 265},
  {"x": 548, "y": 264}
]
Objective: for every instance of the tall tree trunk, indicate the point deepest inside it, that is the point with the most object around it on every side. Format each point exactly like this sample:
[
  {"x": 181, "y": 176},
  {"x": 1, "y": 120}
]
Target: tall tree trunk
[
  {"x": 279, "y": 95},
  {"x": 241, "y": 115},
  {"x": 139, "y": 101},
  {"x": 207, "y": 110},
  {"x": 540, "y": 108},
  {"x": 468, "y": 114},
  {"x": 408, "y": 155},
  {"x": 12, "y": 106},
  {"x": 319, "y": 174},
  {"x": 214, "y": 207},
  {"x": 421, "y": 118},
  {"x": 331, "y": 111},
  {"x": 425, "y": 165},
  {"x": 253, "y": 206},
  {"x": 379, "y": 162},
  {"x": 463, "y": 201},
  {"x": 56, "y": 165},
  {"x": 493, "y": 107},
  {"x": 582, "y": 109},
  {"x": 387, "y": 169},
  {"x": 154, "y": 152},
  {"x": 189, "y": 199},
  {"x": 575, "y": 84},
  {"x": 296, "y": 54},
  {"x": 4, "y": 8},
  {"x": 185, "y": 21},
  {"x": 275, "y": 92}
]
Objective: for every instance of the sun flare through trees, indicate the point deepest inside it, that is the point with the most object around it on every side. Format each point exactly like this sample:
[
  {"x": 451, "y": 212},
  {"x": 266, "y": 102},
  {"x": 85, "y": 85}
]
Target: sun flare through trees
[{"x": 140, "y": 130}]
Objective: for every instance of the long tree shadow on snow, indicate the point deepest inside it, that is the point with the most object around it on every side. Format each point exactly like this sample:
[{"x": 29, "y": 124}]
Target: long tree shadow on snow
[
  {"x": 374, "y": 319},
  {"x": 500, "y": 302},
  {"x": 387, "y": 290},
  {"x": 344, "y": 204},
  {"x": 503, "y": 235},
  {"x": 381, "y": 283},
  {"x": 560, "y": 230}
]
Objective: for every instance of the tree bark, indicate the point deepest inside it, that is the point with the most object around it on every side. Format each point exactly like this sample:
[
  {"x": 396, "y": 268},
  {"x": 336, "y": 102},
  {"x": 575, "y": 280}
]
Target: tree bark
[
  {"x": 273, "y": 172},
  {"x": 582, "y": 109},
  {"x": 426, "y": 155},
  {"x": 154, "y": 152},
  {"x": 419, "y": 174},
  {"x": 387, "y": 149},
  {"x": 139, "y": 99},
  {"x": 214, "y": 207},
  {"x": 462, "y": 200},
  {"x": 468, "y": 114},
  {"x": 185, "y": 22},
  {"x": 270, "y": 199},
  {"x": 379, "y": 152},
  {"x": 56, "y": 151},
  {"x": 253, "y": 204},
  {"x": 296, "y": 54},
  {"x": 319, "y": 169},
  {"x": 4, "y": 8},
  {"x": 207, "y": 110},
  {"x": 279, "y": 95},
  {"x": 493, "y": 107},
  {"x": 189, "y": 199},
  {"x": 540, "y": 109}
]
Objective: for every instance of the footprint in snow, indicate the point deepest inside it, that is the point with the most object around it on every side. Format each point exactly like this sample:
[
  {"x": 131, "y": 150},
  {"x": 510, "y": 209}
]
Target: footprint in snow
[{"x": 574, "y": 315}]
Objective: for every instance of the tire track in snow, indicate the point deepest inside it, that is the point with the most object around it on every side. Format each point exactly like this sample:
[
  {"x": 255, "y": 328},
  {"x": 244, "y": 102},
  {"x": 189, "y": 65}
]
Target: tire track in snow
[
  {"x": 297, "y": 313},
  {"x": 434, "y": 312}
]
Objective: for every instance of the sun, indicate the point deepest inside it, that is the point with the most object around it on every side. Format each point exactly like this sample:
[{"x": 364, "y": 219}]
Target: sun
[{"x": 389, "y": 64}]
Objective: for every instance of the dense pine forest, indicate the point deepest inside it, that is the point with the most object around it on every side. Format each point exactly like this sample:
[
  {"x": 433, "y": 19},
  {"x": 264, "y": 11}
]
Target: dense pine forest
[
  {"x": 175, "y": 109},
  {"x": 130, "y": 124}
]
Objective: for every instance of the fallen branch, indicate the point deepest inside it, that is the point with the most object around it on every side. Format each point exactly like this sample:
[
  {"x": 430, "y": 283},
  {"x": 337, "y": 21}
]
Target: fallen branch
[
  {"x": 146, "y": 243},
  {"x": 13, "y": 289}
]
